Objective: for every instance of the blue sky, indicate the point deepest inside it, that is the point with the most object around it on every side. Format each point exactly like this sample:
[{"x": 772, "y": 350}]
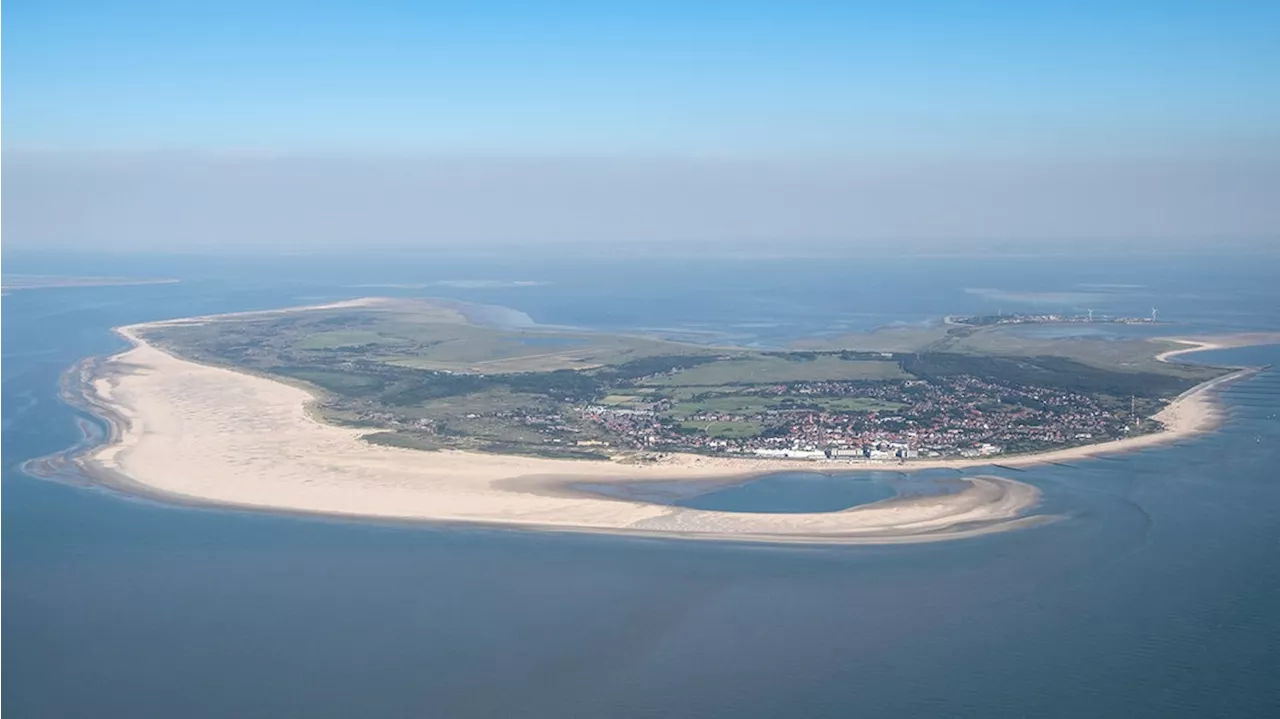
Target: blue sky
[
  {"x": 803, "y": 126},
  {"x": 1013, "y": 79}
]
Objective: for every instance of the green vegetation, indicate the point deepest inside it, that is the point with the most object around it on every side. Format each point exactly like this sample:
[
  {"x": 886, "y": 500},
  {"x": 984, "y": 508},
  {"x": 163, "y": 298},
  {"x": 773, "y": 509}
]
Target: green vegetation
[
  {"x": 851, "y": 404},
  {"x": 719, "y": 429},
  {"x": 751, "y": 404},
  {"x": 1108, "y": 354},
  {"x": 728, "y": 403},
  {"x": 1061, "y": 372},
  {"x": 426, "y": 377},
  {"x": 621, "y": 400},
  {"x": 340, "y": 339},
  {"x": 773, "y": 368}
]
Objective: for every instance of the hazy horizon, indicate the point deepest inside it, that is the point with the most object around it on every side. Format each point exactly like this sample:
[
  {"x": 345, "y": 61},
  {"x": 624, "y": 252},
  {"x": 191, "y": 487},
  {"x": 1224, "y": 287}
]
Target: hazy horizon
[
  {"x": 222, "y": 202},
  {"x": 811, "y": 128}
]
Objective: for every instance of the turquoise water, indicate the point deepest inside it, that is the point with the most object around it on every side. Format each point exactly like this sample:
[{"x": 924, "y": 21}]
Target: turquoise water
[{"x": 1156, "y": 595}]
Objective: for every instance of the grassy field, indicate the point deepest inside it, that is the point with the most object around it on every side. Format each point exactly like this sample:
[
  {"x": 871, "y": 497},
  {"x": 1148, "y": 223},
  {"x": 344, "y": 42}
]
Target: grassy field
[
  {"x": 740, "y": 404},
  {"x": 854, "y": 404},
  {"x": 1112, "y": 354},
  {"x": 746, "y": 404},
  {"x": 621, "y": 400},
  {"x": 414, "y": 334},
  {"x": 339, "y": 339},
  {"x": 776, "y": 369},
  {"x": 1125, "y": 355},
  {"x": 725, "y": 430}
]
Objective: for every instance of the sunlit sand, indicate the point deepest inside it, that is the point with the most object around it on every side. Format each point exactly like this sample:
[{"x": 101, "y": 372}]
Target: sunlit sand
[{"x": 212, "y": 435}]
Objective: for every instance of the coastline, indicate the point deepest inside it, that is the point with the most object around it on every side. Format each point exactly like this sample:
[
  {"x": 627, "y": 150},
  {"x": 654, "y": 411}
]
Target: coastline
[{"x": 189, "y": 433}]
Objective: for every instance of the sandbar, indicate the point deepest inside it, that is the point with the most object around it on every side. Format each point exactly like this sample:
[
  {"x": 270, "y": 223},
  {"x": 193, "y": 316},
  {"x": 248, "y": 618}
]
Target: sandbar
[{"x": 190, "y": 432}]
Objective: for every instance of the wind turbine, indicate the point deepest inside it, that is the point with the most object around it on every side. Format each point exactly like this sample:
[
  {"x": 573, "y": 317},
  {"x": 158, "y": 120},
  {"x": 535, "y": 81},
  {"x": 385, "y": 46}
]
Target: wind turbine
[
  {"x": 1153, "y": 314},
  {"x": 1090, "y": 315}
]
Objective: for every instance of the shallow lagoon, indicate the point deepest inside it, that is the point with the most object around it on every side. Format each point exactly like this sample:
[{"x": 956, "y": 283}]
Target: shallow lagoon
[
  {"x": 783, "y": 492},
  {"x": 794, "y": 492}
]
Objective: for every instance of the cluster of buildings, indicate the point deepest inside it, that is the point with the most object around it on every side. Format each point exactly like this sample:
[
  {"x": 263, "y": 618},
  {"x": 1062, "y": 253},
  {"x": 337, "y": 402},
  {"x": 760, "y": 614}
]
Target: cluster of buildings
[
  {"x": 1051, "y": 318},
  {"x": 886, "y": 420},
  {"x": 949, "y": 417}
]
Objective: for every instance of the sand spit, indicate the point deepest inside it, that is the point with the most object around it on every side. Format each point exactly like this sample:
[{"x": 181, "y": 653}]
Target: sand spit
[
  {"x": 195, "y": 433},
  {"x": 1199, "y": 344}
]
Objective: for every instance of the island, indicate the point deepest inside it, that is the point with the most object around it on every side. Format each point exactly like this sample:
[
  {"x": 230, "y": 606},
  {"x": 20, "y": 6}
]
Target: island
[
  {"x": 1051, "y": 318},
  {"x": 425, "y": 410},
  {"x": 14, "y": 282}
]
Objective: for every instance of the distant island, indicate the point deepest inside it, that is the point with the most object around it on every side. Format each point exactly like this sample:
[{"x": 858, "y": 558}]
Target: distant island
[
  {"x": 1049, "y": 318},
  {"x": 409, "y": 409},
  {"x": 36, "y": 282}
]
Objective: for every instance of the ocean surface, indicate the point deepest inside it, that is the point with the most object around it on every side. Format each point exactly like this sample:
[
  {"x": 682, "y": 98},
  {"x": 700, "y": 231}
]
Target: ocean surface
[{"x": 1157, "y": 594}]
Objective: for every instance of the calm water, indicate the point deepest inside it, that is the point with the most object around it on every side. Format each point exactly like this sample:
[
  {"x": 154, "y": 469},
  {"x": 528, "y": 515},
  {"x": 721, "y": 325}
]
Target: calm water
[
  {"x": 1157, "y": 595},
  {"x": 785, "y": 492},
  {"x": 795, "y": 492}
]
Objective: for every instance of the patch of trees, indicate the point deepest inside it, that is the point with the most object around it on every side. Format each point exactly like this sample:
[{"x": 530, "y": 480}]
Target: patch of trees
[
  {"x": 407, "y": 387},
  {"x": 796, "y": 356},
  {"x": 1044, "y": 371},
  {"x": 560, "y": 384},
  {"x": 851, "y": 356},
  {"x": 648, "y": 366}
]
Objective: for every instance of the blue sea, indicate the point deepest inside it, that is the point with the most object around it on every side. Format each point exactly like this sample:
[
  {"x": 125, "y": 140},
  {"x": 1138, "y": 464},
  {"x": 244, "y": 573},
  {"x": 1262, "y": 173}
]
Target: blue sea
[{"x": 1156, "y": 595}]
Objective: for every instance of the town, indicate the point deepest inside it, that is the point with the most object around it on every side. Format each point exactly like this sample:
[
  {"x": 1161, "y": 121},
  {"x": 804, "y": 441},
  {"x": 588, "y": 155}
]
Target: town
[{"x": 961, "y": 416}]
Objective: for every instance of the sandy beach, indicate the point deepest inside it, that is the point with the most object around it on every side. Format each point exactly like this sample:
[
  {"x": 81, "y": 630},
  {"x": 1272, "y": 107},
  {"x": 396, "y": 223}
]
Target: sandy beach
[{"x": 196, "y": 433}]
